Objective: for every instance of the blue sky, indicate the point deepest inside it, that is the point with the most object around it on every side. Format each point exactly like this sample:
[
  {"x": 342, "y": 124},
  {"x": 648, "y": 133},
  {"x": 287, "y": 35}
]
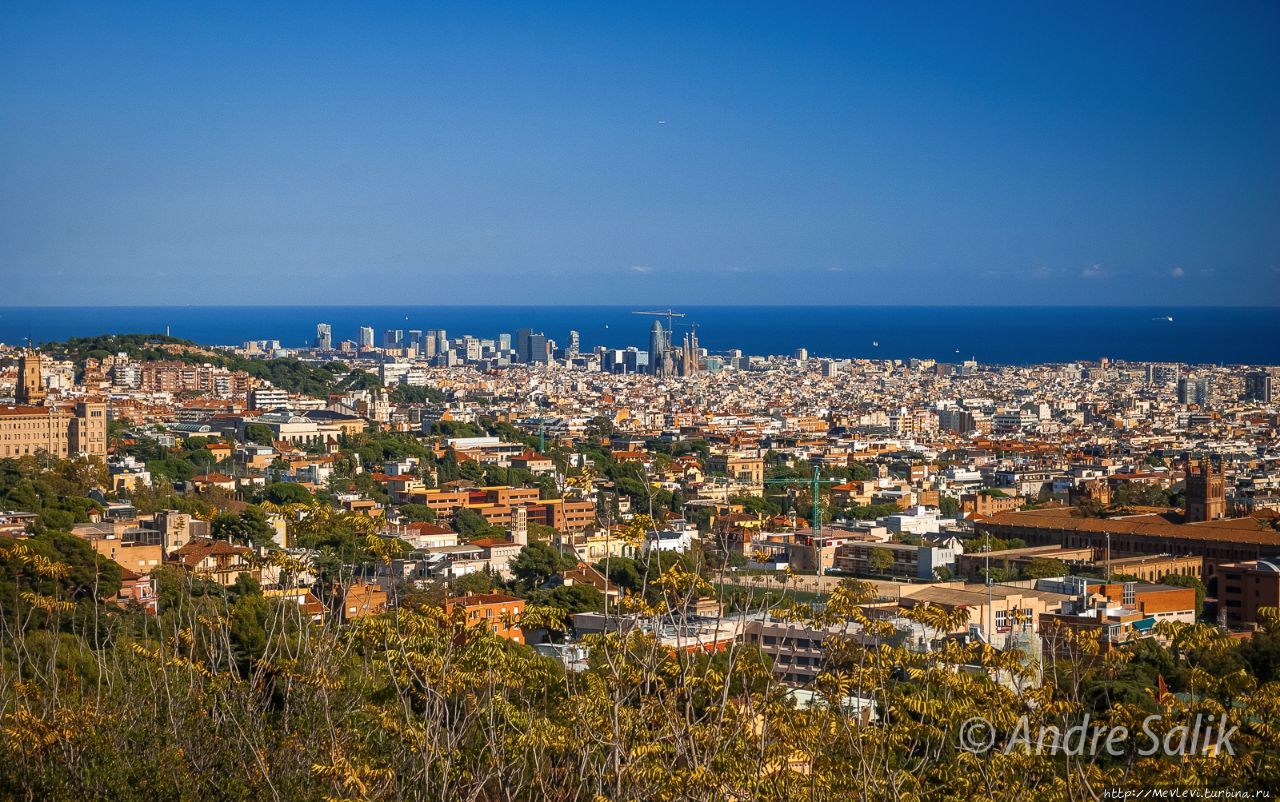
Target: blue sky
[{"x": 1117, "y": 153}]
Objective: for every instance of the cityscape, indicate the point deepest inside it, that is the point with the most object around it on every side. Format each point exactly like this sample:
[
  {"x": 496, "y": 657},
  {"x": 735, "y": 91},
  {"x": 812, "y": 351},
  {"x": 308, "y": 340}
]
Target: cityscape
[{"x": 519, "y": 404}]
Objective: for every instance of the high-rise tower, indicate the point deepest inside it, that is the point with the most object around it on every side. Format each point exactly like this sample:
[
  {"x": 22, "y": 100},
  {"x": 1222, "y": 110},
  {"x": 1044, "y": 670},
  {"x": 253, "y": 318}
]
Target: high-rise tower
[
  {"x": 324, "y": 336},
  {"x": 657, "y": 349}
]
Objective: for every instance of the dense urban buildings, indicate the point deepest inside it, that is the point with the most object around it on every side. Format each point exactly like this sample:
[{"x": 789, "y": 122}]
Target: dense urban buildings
[{"x": 552, "y": 497}]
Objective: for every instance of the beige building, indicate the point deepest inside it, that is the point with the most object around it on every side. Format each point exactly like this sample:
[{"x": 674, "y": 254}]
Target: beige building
[
  {"x": 745, "y": 470},
  {"x": 61, "y": 430}
]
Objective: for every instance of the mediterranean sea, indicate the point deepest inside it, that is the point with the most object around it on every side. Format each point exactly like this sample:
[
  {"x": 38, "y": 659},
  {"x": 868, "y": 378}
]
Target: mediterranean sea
[{"x": 1000, "y": 335}]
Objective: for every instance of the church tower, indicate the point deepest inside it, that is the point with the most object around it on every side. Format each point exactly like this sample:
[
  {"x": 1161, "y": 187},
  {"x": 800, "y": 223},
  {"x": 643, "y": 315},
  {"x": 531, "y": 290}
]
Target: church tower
[
  {"x": 1206, "y": 490},
  {"x": 30, "y": 390}
]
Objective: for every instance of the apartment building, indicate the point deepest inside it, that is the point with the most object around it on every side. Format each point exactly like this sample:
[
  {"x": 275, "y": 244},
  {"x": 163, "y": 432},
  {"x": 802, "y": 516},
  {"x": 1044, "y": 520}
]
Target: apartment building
[
  {"x": 921, "y": 561},
  {"x": 135, "y": 549},
  {"x": 176, "y": 377},
  {"x": 215, "y": 561},
  {"x": 1245, "y": 587},
  {"x": 746, "y": 470},
  {"x": 498, "y": 611}
]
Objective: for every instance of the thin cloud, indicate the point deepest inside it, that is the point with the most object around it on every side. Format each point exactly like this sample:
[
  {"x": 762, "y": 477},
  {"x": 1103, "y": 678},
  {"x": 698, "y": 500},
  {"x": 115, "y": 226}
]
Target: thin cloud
[
  {"x": 1177, "y": 272},
  {"x": 1093, "y": 271},
  {"x": 641, "y": 269}
]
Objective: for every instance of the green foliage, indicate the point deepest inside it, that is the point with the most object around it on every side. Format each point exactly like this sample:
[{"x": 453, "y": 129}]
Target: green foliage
[
  {"x": 1043, "y": 567},
  {"x": 538, "y": 562},
  {"x": 880, "y": 559},
  {"x": 66, "y": 600},
  {"x": 570, "y": 598},
  {"x": 287, "y": 493},
  {"x": 249, "y": 528},
  {"x": 417, "y": 512},
  {"x": 478, "y": 582},
  {"x": 229, "y": 690},
  {"x": 471, "y": 525},
  {"x": 624, "y": 572},
  {"x": 985, "y": 543},
  {"x": 259, "y": 433},
  {"x": 295, "y": 376},
  {"x": 949, "y": 507},
  {"x": 1187, "y": 581},
  {"x": 56, "y": 491},
  {"x": 1141, "y": 494},
  {"x": 375, "y": 448},
  {"x": 404, "y": 394},
  {"x": 757, "y": 505}
]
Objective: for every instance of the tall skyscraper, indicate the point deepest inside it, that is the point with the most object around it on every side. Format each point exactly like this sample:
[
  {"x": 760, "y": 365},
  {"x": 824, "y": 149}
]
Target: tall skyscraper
[
  {"x": 1194, "y": 390},
  {"x": 531, "y": 346},
  {"x": 324, "y": 336},
  {"x": 392, "y": 338},
  {"x": 522, "y": 344},
  {"x": 574, "y": 344},
  {"x": 1259, "y": 385},
  {"x": 538, "y": 349},
  {"x": 366, "y": 337},
  {"x": 504, "y": 342},
  {"x": 657, "y": 349}
]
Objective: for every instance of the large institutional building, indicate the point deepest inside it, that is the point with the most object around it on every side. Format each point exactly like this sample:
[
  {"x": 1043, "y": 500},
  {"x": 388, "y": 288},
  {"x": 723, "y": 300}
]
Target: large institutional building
[{"x": 62, "y": 430}]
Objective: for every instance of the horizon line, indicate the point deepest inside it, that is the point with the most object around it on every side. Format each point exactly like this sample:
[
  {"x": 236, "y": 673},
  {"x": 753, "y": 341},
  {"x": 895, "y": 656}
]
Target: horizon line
[{"x": 629, "y": 306}]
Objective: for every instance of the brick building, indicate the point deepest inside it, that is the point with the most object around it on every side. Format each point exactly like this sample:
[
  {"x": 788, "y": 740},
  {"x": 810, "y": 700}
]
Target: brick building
[{"x": 1245, "y": 587}]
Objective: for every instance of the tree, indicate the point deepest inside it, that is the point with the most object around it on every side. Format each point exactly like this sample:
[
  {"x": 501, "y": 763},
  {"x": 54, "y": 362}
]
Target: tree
[
  {"x": 417, "y": 512},
  {"x": 471, "y": 525},
  {"x": 537, "y": 562},
  {"x": 757, "y": 505},
  {"x": 573, "y": 598},
  {"x": 287, "y": 493},
  {"x": 880, "y": 559},
  {"x": 623, "y": 572},
  {"x": 249, "y": 527},
  {"x": 1089, "y": 508},
  {"x": 600, "y": 427},
  {"x": 478, "y": 582},
  {"x": 948, "y": 507},
  {"x": 1043, "y": 567},
  {"x": 259, "y": 433},
  {"x": 87, "y": 574},
  {"x": 1187, "y": 581}
]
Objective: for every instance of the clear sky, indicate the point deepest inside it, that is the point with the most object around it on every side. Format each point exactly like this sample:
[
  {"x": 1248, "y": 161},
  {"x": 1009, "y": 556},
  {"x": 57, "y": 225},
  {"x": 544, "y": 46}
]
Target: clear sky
[{"x": 542, "y": 152}]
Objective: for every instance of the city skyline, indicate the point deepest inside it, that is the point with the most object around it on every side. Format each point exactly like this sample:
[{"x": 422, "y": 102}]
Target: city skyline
[
  {"x": 714, "y": 155},
  {"x": 663, "y": 401}
]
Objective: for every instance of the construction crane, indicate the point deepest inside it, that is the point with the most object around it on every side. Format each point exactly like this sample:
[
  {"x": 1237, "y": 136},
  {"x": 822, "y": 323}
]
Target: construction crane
[
  {"x": 816, "y": 521},
  {"x": 667, "y": 313}
]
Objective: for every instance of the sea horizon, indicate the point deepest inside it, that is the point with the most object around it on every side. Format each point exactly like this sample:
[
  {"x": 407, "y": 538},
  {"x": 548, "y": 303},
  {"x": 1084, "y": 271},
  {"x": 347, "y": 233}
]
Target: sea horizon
[{"x": 995, "y": 334}]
